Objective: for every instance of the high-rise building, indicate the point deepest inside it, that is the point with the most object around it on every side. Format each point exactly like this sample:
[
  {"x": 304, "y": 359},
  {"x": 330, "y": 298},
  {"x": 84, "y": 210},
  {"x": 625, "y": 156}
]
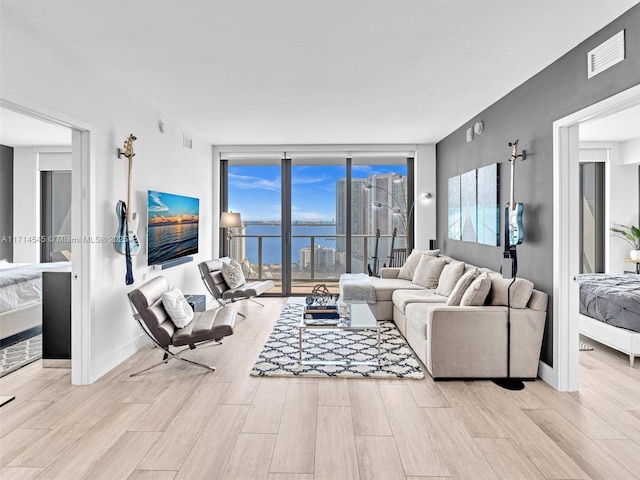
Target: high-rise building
[
  {"x": 389, "y": 192},
  {"x": 239, "y": 243},
  {"x": 324, "y": 257}
]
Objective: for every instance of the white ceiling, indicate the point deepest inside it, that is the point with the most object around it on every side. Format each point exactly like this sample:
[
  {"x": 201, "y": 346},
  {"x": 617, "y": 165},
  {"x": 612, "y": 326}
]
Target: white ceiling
[
  {"x": 618, "y": 127},
  {"x": 316, "y": 71},
  {"x": 17, "y": 130}
]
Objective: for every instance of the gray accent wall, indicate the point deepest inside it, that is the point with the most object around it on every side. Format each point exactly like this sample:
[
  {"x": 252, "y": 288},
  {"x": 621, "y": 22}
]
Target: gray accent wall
[
  {"x": 527, "y": 113},
  {"x": 6, "y": 202}
]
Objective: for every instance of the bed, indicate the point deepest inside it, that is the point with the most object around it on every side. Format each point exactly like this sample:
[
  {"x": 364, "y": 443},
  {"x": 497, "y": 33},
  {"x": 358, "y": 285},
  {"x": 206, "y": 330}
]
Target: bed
[
  {"x": 21, "y": 295},
  {"x": 610, "y": 311}
]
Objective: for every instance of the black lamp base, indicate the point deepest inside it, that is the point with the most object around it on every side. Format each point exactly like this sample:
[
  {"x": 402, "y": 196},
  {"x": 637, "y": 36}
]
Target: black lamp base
[{"x": 509, "y": 383}]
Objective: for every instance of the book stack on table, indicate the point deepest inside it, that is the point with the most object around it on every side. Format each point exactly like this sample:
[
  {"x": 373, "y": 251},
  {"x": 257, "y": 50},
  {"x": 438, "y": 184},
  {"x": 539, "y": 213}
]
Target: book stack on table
[{"x": 321, "y": 312}]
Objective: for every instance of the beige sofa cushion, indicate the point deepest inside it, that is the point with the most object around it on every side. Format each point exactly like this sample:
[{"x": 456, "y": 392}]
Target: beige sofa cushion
[
  {"x": 449, "y": 277},
  {"x": 386, "y": 286},
  {"x": 428, "y": 271},
  {"x": 402, "y": 298},
  {"x": 461, "y": 287},
  {"x": 477, "y": 292},
  {"x": 520, "y": 292},
  {"x": 412, "y": 261}
]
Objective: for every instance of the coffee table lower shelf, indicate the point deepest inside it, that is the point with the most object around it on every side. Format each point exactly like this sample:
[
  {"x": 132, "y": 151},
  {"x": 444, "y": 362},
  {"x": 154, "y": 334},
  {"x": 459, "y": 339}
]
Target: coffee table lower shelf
[{"x": 362, "y": 319}]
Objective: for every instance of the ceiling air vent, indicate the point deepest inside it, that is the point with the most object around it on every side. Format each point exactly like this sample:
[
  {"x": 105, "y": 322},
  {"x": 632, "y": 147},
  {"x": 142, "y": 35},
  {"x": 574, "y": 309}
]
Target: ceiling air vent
[{"x": 606, "y": 55}]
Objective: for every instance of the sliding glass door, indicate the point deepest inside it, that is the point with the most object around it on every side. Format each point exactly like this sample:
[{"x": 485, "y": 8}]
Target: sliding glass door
[
  {"x": 317, "y": 184},
  {"x": 325, "y": 214},
  {"x": 254, "y": 189},
  {"x": 379, "y": 213}
]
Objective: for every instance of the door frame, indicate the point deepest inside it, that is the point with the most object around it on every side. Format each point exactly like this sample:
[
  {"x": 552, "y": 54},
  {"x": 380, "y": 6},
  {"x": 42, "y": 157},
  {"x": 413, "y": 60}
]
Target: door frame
[
  {"x": 80, "y": 229},
  {"x": 564, "y": 374}
]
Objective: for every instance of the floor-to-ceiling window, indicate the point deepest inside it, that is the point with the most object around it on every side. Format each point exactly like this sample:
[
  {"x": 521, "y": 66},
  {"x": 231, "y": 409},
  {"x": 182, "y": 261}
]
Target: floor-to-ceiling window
[
  {"x": 379, "y": 205},
  {"x": 592, "y": 218},
  {"x": 324, "y": 213},
  {"x": 317, "y": 185}
]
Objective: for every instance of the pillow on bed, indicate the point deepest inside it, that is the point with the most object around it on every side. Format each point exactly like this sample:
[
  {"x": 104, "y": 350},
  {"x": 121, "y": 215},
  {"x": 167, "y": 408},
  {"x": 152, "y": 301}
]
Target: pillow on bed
[{"x": 177, "y": 307}]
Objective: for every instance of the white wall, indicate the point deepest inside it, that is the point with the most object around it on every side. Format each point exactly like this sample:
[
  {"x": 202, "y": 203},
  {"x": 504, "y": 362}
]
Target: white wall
[
  {"x": 26, "y": 211},
  {"x": 425, "y": 182},
  {"x": 623, "y": 188},
  {"x": 621, "y": 160},
  {"x": 27, "y": 165},
  {"x": 630, "y": 152},
  {"x": 34, "y": 76}
]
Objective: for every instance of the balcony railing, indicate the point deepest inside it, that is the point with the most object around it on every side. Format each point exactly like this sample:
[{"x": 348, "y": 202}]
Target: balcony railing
[{"x": 313, "y": 270}]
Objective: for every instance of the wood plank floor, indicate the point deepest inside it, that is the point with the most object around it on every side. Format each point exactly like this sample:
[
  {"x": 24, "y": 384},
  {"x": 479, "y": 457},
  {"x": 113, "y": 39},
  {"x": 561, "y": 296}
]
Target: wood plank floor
[{"x": 178, "y": 421}]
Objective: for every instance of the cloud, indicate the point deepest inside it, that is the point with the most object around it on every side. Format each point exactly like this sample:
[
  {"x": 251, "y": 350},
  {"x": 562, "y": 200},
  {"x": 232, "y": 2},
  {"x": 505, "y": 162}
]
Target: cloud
[
  {"x": 247, "y": 182},
  {"x": 155, "y": 204}
]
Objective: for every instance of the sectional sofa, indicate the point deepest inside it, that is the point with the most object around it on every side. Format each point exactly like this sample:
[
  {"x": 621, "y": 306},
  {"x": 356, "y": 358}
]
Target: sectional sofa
[{"x": 455, "y": 316}]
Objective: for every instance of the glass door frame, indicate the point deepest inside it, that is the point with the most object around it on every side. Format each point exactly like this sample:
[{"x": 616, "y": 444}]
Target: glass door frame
[{"x": 286, "y": 204}]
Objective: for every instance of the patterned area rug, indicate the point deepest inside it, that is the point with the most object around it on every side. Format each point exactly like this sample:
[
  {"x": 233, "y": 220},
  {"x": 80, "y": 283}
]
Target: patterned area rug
[
  {"x": 20, "y": 354},
  {"x": 279, "y": 356}
]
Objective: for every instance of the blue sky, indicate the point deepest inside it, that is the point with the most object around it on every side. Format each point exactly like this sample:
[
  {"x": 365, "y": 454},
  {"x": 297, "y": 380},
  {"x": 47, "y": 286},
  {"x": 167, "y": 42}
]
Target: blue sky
[
  {"x": 254, "y": 192},
  {"x": 167, "y": 205}
]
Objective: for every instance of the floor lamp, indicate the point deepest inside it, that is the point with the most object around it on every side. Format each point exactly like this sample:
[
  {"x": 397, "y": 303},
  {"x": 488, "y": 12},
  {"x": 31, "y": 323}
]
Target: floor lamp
[{"x": 230, "y": 220}]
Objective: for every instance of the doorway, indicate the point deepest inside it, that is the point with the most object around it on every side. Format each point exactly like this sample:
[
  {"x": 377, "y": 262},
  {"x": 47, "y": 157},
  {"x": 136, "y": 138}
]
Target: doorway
[
  {"x": 566, "y": 239},
  {"x": 80, "y": 250}
]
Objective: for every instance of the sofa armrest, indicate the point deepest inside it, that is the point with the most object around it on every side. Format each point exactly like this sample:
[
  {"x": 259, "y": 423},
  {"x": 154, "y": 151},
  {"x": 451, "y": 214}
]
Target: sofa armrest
[
  {"x": 467, "y": 342},
  {"x": 389, "y": 272},
  {"x": 471, "y": 341}
]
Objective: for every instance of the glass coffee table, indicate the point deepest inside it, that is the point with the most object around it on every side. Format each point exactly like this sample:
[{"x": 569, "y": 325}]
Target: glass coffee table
[{"x": 353, "y": 317}]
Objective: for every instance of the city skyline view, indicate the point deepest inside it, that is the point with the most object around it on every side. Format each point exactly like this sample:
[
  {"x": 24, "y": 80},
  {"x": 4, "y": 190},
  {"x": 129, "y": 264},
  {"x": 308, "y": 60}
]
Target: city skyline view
[{"x": 313, "y": 190}]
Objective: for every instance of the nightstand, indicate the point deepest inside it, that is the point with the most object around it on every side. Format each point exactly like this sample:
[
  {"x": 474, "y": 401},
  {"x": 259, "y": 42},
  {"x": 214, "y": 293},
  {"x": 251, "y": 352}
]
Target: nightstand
[
  {"x": 197, "y": 302},
  {"x": 637, "y": 262}
]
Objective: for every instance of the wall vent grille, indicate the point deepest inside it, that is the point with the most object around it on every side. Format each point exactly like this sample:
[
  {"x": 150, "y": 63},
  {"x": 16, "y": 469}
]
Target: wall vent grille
[
  {"x": 186, "y": 142},
  {"x": 606, "y": 55}
]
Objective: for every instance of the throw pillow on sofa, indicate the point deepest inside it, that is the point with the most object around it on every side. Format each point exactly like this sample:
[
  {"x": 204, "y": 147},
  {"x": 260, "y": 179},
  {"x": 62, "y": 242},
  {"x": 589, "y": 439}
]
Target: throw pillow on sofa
[
  {"x": 177, "y": 307},
  {"x": 449, "y": 277},
  {"x": 477, "y": 292},
  {"x": 461, "y": 287},
  {"x": 407, "y": 270},
  {"x": 520, "y": 292},
  {"x": 232, "y": 274},
  {"x": 428, "y": 271}
]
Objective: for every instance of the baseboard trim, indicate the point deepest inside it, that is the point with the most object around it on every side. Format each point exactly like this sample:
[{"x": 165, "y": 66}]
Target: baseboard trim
[
  {"x": 55, "y": 363},
  {"x": 118, "y": 356},
  {"x": 548, "y": 374}
]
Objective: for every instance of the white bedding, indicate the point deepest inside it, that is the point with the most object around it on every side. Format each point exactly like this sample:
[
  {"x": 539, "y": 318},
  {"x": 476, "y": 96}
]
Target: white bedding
[{"x": 24, "y": 292}]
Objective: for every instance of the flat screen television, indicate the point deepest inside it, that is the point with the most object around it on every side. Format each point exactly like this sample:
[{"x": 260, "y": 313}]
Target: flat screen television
[{"x": 172, "y": 226}]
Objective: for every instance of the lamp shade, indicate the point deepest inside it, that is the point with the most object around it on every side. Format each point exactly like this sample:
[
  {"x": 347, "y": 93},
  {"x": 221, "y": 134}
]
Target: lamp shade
[{"x": 230, "y": 220}]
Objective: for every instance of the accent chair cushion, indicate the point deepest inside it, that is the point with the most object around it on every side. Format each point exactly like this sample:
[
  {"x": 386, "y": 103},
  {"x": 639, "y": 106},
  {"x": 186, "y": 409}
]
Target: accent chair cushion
[
  {"x": 411, "y": 263},
  {"x": 449, "y": 277},
  {"x": 177, "y": 307},
  {"x": 461, "y": 287},
  {"x": 477, "y": 292},
  {"x": 520, "y": 292},
  {"x": 232, "y": 274},
  {"x": 428, "y": 271}
]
